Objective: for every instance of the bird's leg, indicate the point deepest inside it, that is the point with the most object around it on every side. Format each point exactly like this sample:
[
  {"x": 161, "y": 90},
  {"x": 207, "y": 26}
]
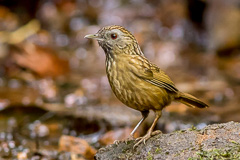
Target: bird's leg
[
  {"x": 150, "y": 130},
  {"x": 144, "y": 116},
  {"x": 131, "y": 137}
]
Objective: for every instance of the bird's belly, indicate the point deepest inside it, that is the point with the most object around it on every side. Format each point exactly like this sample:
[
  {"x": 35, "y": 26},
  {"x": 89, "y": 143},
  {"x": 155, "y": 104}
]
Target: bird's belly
[{"x": 137, "y": 93}]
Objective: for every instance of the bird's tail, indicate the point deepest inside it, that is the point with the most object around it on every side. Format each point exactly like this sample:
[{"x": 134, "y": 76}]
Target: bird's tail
[{"x": 190, "y": 100}]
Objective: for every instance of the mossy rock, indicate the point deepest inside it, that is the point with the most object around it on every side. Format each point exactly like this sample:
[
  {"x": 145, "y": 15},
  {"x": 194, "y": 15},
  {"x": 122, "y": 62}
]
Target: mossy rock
[{"x": 217, "y": 141}]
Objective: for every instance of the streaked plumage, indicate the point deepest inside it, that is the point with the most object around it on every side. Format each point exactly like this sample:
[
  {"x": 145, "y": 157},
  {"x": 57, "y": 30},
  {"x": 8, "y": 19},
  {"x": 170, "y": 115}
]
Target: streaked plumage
[{"x": 135, "y": 81}]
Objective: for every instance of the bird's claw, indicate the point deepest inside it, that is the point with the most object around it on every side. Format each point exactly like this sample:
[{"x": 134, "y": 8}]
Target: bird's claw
[
  {"x": 117, "y": 142},
  {"x": 156, "y": 132},
  {"x": 128, "y": 139},
  {"x": 142, "y": 139},
  {"x": 145, "y": 138},
  {"x": 101, "y": 150},
  {"x": 138, "y": 139}
]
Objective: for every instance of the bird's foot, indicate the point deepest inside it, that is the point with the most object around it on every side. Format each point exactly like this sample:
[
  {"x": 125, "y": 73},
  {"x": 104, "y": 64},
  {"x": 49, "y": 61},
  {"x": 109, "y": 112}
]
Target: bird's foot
[
  {"x": 146, "y": 137},
  {"x": 129, "y": 139},
  {"x": 101, "y": 150},
  {"x": 154, "y": 133},
  {"x": 117, "y": 142}
]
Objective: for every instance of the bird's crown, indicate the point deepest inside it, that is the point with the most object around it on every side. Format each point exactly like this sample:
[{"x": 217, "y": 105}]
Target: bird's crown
[{"x": 116, "y": 39}]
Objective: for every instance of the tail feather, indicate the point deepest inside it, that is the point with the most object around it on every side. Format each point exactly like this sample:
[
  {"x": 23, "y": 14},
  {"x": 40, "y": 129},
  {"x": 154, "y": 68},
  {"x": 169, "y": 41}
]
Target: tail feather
[{"x": 190, "y": 101}]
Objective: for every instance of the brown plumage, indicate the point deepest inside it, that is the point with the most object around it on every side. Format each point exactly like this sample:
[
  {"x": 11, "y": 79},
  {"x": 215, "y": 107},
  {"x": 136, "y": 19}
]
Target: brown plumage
[{"x": 135, "y": 81}]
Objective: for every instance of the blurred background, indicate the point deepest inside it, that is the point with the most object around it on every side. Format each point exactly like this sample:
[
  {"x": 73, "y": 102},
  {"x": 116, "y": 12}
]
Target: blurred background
[{"x": 55, "y": 100}]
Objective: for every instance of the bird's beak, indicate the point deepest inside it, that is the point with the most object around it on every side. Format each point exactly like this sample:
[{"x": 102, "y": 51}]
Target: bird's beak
[{"x": 94, "y": 36}]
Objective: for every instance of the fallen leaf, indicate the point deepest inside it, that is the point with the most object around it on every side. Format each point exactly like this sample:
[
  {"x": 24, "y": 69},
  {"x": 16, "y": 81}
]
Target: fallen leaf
[
  {"x": 76, "y": 145},
  {"x": 43, "y": 61}
]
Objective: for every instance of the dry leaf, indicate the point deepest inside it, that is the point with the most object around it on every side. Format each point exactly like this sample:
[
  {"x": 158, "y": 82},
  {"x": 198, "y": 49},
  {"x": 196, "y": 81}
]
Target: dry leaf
[
  {"x": 76, "y": 145},
  {"x": 42, "y": 61}
]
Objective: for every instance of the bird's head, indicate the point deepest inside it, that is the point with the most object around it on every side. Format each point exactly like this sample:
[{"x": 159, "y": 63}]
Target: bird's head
[{"x": 116, "y": 40}]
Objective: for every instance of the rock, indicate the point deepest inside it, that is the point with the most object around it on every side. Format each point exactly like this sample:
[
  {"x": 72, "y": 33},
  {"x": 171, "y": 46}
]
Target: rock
[{"x": 215, "y": 141}]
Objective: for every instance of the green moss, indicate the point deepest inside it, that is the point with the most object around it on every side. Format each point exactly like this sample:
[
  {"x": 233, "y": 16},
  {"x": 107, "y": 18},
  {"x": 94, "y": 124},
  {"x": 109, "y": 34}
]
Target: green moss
[
  {"x": 158, "y": 150},
  {"x": 129, "y": 142},
  {"x": 193, "y": 128},
  {"x": 149, "y": 156},
  {"x": 232, "y": 153},
  {"x": 234, "y": 142},
  {"x": 177, "y": 154},
  {"x": 124, "y": 150}
]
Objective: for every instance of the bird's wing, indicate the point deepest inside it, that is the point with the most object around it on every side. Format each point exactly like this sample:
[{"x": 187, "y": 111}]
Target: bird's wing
[{"x": 143, "y": 69}]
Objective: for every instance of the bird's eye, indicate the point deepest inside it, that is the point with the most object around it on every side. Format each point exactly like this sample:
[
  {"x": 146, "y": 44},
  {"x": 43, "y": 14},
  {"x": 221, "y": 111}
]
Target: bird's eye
[{"x": 113, "y": 35}]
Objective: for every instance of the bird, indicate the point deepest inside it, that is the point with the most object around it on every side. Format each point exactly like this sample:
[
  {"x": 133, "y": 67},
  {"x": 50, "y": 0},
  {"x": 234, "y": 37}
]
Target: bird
[{"x": 136, "y": 82}]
